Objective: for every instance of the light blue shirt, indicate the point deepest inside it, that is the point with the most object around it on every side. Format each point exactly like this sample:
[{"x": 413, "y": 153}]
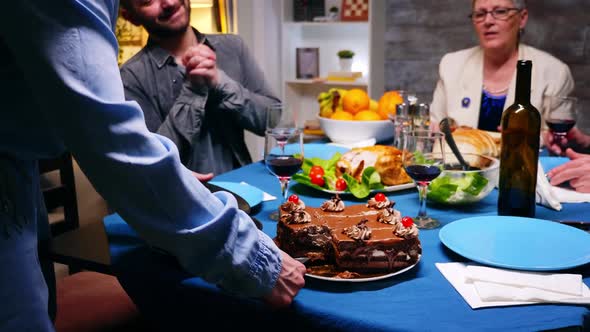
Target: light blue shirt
[{"x": 72, "y": 97}]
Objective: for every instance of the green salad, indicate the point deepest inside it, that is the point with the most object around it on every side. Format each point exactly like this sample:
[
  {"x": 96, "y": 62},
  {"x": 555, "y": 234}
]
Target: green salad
[
  {"x": 321, "y": 174},
  {"x": 449, "y": 189}
]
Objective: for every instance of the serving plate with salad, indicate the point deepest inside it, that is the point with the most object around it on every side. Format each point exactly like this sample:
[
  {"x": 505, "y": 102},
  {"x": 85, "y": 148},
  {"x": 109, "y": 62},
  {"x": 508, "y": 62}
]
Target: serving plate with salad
[{"x": 319, "y": 172}]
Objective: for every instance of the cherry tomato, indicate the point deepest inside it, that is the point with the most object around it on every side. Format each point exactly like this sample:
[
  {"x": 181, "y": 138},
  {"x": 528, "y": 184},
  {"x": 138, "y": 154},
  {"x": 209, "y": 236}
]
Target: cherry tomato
[
  {"x": 294, "y": 198},
  {"x": 316, "y": 169},
  {"x": 379, "y": 197},
  {"x": 407, "y": 221},
  {"x": 318, "y": 179},
  {"x": 340, "y": 184}
]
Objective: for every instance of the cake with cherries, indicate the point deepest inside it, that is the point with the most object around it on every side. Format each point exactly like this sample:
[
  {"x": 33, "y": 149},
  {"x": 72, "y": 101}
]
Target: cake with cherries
[{"x": 367, "y": 238}]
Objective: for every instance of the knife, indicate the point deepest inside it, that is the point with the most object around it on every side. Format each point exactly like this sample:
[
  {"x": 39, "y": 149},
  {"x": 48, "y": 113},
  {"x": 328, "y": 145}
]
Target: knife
[{"x": 302, "y": 260}]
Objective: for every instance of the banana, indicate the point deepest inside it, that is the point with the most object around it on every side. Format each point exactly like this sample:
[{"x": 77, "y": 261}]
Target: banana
[{"x": 330, "y": 101}]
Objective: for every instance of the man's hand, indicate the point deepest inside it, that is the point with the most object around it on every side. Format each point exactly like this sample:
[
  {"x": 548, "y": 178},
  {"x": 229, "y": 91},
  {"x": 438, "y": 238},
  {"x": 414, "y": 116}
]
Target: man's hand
[
  {"x": 290, "y": 281},
  {"x": 203, "y": 177},
  {"x": 576, "y": 171},
  {"x": 201, "y": 65}
]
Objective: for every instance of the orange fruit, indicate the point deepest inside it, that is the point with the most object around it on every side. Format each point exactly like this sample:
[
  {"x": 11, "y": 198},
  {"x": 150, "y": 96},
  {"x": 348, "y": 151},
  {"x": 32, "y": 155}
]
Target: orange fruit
[
  {"x": 341, "y": 115},
  {"x": 355, "y": 100},
  {"x": 387, "y": 103},
  {"x": 367, "y": 115}
]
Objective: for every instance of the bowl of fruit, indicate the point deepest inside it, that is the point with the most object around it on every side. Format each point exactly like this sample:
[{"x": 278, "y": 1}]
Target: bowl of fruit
[
  {"x": 455, "y": 186},
  {"x": 349, "y": 116}
]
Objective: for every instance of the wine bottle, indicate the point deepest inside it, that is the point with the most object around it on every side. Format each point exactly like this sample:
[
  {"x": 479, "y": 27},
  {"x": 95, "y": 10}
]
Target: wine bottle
[{"x": 519, "y": 155}]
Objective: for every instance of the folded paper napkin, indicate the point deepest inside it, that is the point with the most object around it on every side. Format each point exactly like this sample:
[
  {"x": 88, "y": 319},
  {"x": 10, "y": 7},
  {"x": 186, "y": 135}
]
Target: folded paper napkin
[
  {"x": 482, "y": 286},
  {"x": 552, "y": 196},
  {"x": 359, "y": 144},
  {"x": 265, "y": 196}
]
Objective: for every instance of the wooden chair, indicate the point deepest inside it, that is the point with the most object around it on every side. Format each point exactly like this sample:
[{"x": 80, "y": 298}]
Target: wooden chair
[
  {"x": 88, "y": 299},
  {"x": 61, "y": 194}
]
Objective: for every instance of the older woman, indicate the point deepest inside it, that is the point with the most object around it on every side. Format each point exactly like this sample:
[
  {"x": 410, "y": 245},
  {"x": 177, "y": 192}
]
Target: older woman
[{"x": 477, "y": 84}]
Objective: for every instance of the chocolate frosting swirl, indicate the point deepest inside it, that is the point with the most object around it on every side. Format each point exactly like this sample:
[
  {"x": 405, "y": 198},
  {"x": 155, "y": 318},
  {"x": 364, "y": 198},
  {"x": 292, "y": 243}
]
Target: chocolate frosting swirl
[
  {"x": 360, "y": 231},
  {"x": 294, "y": 213},
  {"x": 290, "y": 207},
  {"x": 374, "y": 204},
  {"x": 296, "y": 217},
  {"x": 405, "y": 232},
  {"x": 335, "y": 204},
  {"x": 389, "y": 216}
]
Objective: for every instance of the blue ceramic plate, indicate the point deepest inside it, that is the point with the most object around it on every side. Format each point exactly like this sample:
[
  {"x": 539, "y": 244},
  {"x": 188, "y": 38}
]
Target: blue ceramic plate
[
  {"x": 311, "y": 150},
  {"x": 249, "y": 193},
  {"x": 518, "y": 243}
]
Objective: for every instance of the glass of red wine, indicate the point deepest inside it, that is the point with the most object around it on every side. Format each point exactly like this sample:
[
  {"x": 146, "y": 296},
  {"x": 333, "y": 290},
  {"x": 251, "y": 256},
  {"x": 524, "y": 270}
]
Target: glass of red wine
[
  {"x": 284, "y": 156},
  {"x": 560, "y": 117},
  {"x": 423, "y": 159}
]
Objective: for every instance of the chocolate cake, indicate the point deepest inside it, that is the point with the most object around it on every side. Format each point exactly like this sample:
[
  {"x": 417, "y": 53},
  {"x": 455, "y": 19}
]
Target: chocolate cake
[{"x": 368, "y": 238}]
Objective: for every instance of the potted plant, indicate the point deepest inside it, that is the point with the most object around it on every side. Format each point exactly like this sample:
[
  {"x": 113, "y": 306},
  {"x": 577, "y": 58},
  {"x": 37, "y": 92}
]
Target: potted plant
[{"x": 345, "y": 57}]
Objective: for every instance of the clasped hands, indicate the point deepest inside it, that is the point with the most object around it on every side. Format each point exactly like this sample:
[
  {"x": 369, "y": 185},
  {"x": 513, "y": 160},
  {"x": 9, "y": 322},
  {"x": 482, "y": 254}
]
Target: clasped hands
[{"x": 201, "y": 66}]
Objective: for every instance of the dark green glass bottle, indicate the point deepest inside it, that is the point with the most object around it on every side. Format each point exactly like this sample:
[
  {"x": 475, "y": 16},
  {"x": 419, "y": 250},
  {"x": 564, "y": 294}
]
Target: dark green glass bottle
[{"x": 519, "y": 156}]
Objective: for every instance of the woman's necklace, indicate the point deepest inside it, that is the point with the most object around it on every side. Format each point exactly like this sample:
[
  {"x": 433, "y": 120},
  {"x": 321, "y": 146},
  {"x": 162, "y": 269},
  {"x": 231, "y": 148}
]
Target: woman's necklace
[{"x": 495, "y": 92}]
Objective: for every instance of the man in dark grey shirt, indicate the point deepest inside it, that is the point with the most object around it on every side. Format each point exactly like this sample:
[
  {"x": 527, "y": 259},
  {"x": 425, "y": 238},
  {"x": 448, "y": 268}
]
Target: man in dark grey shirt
[{"x": 199, "y": 91}]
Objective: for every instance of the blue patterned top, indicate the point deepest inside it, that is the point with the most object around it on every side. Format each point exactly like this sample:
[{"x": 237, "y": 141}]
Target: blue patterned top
[{"x": 490, "y": 111}]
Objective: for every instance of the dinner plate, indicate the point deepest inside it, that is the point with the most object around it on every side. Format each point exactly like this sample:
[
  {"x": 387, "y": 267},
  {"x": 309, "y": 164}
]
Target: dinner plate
[
  {"x": 326, "y": 151},
  {"x": 517, "y": 243},
  {"x": 312, "y": 150},
  {"x": 367, "y": 279},
  {"x": 249, "y": 193}
]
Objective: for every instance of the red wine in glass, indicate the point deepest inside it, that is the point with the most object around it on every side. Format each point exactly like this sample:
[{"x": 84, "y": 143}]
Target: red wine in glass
[
  {"x": 560, "y": 116},
  {"x": 560, "y": 126},
  {"x": 283, "y": 165},
  {"x": 423, "y": 173}
]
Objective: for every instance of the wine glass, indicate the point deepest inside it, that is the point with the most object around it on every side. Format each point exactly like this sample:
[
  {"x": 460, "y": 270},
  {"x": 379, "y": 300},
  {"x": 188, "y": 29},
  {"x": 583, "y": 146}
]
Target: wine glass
[
  {"x": 560, "y": 117},
  {"x": 423, "y": 159},
  {"x": 284, "y": 156}
]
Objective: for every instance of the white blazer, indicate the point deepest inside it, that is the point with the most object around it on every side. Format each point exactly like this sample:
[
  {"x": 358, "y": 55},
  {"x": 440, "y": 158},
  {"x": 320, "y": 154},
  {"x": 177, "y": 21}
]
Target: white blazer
[{"x": 459, "y": 88}]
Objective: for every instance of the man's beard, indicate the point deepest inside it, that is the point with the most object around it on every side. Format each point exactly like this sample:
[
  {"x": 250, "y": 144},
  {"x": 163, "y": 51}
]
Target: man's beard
[
  {"x": 165, "y": 32},
  {"x": 162, "y": 31}
]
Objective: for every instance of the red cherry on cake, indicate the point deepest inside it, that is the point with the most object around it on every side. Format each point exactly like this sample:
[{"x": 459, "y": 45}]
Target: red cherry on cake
[
  {"x": 294, "y": 198},
  {"x": 380, "y": 197},
  {"x": 407, "y": 221}
]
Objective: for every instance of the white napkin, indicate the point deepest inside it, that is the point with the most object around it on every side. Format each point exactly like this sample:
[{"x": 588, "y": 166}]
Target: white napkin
[
  {"x": 544, "y": 192},
  {"x": 359, "y": 144},
  {"x": 265, "y": 196},
  {"x": 490, "y": 287},
  {"x": 552, "y": 196}
]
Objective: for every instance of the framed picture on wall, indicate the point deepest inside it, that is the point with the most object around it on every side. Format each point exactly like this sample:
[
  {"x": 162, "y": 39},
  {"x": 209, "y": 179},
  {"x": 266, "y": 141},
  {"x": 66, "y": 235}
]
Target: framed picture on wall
[
  {"x": 308, "y": 62},
  {"x": 355, "y": 10}
]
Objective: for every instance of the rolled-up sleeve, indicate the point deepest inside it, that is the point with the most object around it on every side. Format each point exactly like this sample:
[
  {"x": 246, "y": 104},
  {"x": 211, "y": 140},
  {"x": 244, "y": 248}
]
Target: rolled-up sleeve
[{"x": 68, "y": 53}]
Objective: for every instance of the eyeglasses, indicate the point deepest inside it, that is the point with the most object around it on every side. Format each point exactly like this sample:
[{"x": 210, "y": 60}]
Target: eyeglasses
[{"x": 497, "y": 13}]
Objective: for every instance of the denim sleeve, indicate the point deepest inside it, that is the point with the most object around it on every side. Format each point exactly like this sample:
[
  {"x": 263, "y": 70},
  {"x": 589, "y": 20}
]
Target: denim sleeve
[
  {"x": 68, "y": 54},
  {"x": 246, "y": 100}
]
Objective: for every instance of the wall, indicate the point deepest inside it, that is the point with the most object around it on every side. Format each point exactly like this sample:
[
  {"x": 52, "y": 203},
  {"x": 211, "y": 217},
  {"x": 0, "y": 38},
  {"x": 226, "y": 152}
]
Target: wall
[
  {"x": 259, "y": 26},
  {"x": 419, "y": 32}
]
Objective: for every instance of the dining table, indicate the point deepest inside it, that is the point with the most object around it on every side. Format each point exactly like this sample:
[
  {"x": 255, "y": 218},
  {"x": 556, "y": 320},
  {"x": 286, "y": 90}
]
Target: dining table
[{"x": 420, "y": 299}]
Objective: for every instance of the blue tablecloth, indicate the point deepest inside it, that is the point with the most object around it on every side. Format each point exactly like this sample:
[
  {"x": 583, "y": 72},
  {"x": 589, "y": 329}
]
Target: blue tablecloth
[{"x": 417, "y": 300}]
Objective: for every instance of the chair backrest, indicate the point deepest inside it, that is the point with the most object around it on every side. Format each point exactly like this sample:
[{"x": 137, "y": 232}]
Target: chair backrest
[{"x": 62, "y": 194}]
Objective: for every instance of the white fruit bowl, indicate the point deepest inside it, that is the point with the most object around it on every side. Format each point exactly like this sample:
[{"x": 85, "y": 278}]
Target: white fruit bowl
[{"x": 346, "y": 131}]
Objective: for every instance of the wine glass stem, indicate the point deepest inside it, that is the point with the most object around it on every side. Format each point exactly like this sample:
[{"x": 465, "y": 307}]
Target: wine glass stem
[
  {"x": 422, "y": 191},
  {"x": 284, "y": 186}
]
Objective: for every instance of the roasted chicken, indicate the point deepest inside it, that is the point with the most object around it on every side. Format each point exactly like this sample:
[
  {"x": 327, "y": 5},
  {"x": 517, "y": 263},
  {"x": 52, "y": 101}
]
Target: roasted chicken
[{"x": 387, "y": 161}]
